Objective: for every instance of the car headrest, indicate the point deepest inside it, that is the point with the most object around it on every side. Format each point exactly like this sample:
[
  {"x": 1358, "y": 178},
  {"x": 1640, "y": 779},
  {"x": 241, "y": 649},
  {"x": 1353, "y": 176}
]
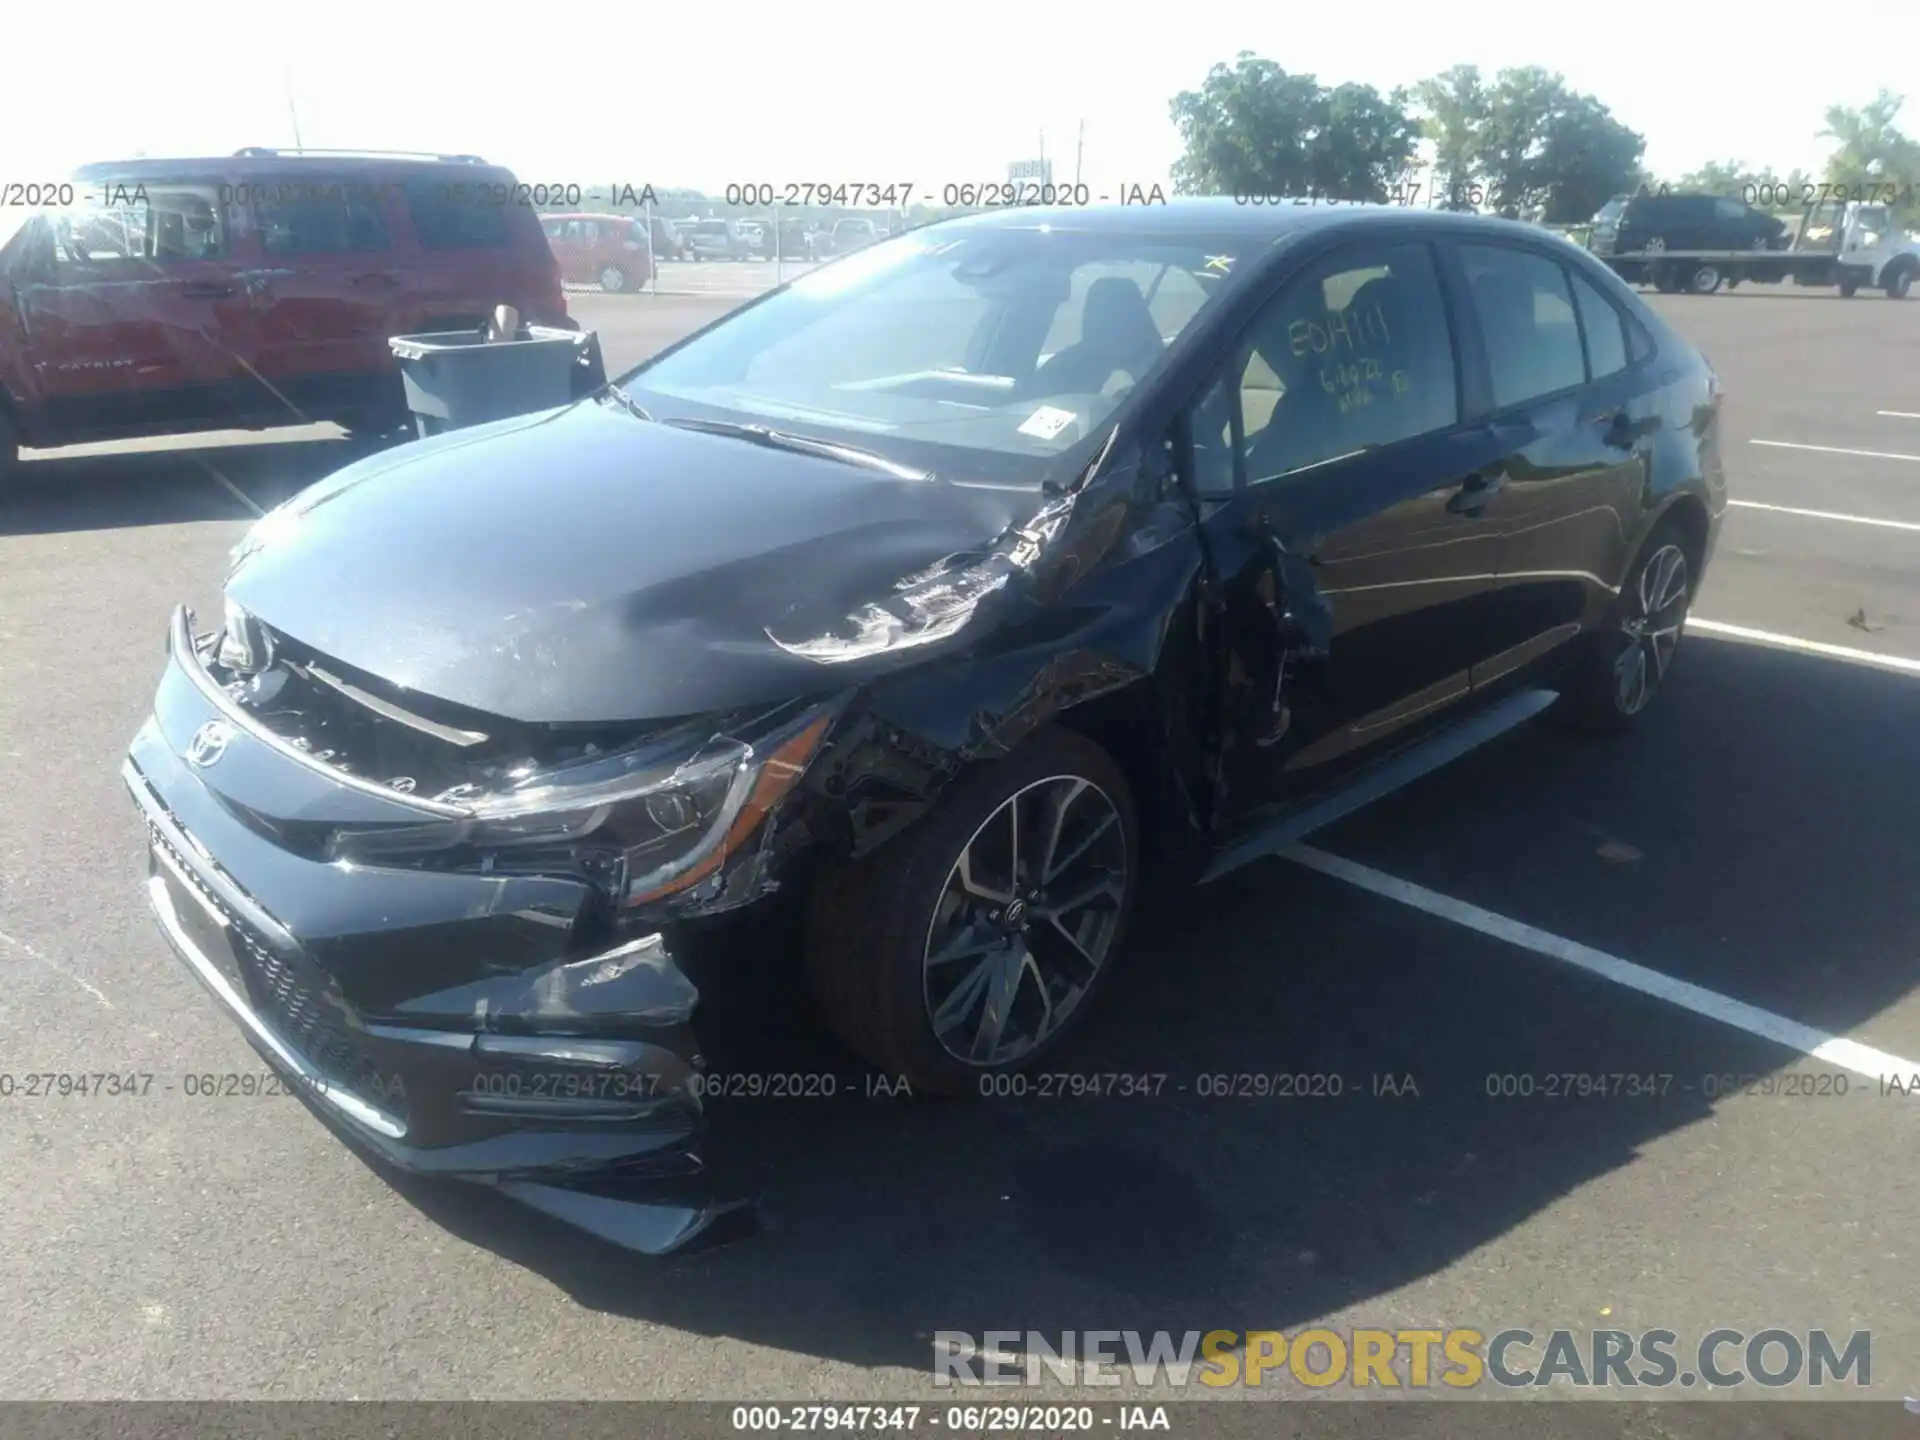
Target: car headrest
[{"x": 1116, "y": 316}]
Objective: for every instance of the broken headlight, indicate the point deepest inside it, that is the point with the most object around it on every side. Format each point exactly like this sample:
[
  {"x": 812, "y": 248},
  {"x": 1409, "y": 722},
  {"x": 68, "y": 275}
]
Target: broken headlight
[{"x": 648, "y": 822}]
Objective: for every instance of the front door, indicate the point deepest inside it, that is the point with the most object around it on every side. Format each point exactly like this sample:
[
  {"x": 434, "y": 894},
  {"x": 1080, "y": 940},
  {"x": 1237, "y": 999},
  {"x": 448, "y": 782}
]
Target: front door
[
  {"x": 135, "y": 321},
  {"x": 1341, "y": 501}
]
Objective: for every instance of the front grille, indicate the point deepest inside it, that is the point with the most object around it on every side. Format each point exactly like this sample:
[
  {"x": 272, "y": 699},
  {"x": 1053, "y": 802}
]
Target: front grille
[
  {"x": 296, "y": 1002},
  {"x": 311, "y": 1020}
]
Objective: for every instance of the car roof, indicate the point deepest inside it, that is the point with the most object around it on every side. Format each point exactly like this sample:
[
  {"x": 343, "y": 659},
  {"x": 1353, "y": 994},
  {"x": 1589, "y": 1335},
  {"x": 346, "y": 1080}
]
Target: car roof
[
  {"x": 173, "y": 168},
  {"x": 1215, "y": 216}
]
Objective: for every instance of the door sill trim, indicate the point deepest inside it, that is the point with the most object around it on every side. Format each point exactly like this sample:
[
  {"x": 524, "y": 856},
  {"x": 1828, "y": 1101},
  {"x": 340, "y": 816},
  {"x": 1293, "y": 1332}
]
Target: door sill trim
[{"x": 1383, "y": 779}]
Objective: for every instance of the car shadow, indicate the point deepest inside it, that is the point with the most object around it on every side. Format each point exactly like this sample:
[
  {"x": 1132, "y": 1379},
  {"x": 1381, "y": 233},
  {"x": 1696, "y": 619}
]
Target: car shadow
[
  {"x": 1759, "y": 291},
  {"x": 165, "y": 483},
  {"x": 1204, "y": 1198}
]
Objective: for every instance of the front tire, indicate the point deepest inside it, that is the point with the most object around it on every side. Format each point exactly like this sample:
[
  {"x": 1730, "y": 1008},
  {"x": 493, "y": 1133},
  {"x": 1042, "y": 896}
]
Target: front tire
[
  {"x": 1900, "y": 282},
  {"x": 975, "y": 943},
  {"x": 1624, "y": 662}
]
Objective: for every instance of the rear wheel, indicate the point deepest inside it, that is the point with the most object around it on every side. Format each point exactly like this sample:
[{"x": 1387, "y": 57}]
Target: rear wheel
[
  {"x": 613, "y": 279},
  {"x": 1628, "y": 657},
  {"x": 1704, "y": 279},
  {"x": 1849, "y": 287},
  {"x": 974, "y": 944},
  {"x": 9, "y": 446},
  {"x": 1899, "y": 282}
]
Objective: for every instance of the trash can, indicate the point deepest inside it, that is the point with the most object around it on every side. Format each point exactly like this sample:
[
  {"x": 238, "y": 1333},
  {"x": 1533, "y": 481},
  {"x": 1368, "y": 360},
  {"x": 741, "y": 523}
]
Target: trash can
[{"x": 458, "y": 378}]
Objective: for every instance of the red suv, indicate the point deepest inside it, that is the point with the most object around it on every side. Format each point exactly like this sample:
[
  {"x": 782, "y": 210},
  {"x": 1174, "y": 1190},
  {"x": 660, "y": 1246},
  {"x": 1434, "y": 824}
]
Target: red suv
[
  {"x": 175, "y": 295},
  {"x": 610, "y": 251}
]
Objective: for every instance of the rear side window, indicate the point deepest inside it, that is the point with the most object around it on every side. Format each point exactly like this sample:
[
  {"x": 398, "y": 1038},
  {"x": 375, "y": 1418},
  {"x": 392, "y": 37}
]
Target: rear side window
[
  {"x": 1729, "y": 210},
  {"x": 1605, "y": 329},
  {"x": 319, "y": 217},
  {"x": 1526, "y": 315},
  {"x": 457, "y": 215}
]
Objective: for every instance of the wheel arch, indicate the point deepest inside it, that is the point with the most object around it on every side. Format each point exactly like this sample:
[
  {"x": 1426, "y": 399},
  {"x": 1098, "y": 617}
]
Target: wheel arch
[
  {"x": 1688, "y": 512},
  {"x": 887, "y": 771}
]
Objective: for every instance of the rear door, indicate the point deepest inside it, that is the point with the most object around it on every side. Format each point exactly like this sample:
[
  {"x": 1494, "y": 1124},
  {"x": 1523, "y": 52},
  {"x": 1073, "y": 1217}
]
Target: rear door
[
  {"x": 1556, "y": 360},
  {"x": 325, "y": 292},
  {"x": 134, "y": 317},
  {"x": 470, "y": 242},
  {"x": 1338, "y": 485}
]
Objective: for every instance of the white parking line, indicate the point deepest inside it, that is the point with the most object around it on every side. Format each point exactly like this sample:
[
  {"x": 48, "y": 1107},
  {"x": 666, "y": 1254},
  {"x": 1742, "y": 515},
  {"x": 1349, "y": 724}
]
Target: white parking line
[
  {"x": 1826, "y": 515},
  {"x": 1810, "y": 647},
  {"x": 1900, "y": 414},
  {"x": 1837, "y": 450},
  {"x": 1816, "y": 1044}
]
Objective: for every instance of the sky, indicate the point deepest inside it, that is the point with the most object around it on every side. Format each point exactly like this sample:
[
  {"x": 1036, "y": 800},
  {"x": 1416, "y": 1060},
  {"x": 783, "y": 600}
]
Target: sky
[{"x": 846, "y": 91}]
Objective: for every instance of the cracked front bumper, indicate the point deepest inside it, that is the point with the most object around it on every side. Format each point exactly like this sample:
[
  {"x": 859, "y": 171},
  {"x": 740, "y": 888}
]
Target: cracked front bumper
[{"x": 396, "y": 1002}]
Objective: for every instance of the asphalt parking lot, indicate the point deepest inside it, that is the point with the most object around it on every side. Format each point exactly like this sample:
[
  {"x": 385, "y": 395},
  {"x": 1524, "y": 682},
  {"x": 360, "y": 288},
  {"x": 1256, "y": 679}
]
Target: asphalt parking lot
[{"x": 1728, "y": 892}]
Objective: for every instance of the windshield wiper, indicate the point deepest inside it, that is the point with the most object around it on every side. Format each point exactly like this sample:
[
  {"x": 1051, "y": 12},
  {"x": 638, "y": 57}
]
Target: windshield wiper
[
  {"x": 634, "y": 407},
  {"x": 803, "y": 445}
]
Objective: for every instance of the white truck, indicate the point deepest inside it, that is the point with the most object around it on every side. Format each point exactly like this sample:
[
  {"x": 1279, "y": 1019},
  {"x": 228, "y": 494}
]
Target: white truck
[{"x": 1847, "y": 244}]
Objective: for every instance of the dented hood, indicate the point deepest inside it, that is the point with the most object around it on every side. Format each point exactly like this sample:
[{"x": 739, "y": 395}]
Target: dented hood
[{"x": 586, "y": 565}]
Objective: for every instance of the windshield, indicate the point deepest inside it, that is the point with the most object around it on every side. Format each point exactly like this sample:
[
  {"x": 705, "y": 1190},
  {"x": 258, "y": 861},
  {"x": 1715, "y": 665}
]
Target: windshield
[{"x": 986, "y": 351}]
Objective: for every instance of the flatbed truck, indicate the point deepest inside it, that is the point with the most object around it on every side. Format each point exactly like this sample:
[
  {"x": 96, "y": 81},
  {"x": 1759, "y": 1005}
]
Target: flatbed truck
[{"x": 1848, "y": 244}]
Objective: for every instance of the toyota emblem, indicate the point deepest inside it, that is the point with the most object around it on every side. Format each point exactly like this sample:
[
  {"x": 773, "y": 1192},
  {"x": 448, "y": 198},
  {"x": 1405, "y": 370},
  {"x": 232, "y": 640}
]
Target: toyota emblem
[{"x": 209, "y": 743}]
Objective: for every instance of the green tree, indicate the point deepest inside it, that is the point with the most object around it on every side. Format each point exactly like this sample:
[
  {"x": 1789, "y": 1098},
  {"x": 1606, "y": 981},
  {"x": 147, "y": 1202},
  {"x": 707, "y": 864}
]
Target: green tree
[
  {"x": 1585, "y": 159},
  {"x": 1455, "y": 107},
  {"x": 1252, "y": 128},
  {"x": 1873, "y": 153},
  {"x": 1544, "y": 144}
]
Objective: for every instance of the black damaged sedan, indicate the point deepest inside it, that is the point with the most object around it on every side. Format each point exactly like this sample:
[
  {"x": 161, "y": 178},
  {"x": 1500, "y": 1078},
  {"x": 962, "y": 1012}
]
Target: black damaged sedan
[{"x": 952, "y": 594}]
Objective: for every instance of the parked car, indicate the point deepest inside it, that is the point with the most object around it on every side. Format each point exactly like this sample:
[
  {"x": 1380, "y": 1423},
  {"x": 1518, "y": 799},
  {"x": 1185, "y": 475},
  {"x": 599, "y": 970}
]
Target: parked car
[
  {"x": 850, "y": 233},
  {"x": 252, "y": 290},
  {"x": 1679, "y": 220},
  {"x": 718, "y": 240},
  {"x": 982, "y": 608},
  {"x": 610, "y": 251}
]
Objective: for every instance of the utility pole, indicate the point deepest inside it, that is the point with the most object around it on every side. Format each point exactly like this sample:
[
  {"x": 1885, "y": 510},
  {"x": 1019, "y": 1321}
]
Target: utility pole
[{"x": 286, "y": 79}]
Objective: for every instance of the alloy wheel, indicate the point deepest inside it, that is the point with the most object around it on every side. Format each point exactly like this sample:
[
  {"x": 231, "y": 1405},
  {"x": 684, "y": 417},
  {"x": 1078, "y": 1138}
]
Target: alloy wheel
[
  {"x": 613, "y": 279},
  {"x": 1657, "y": 613},
  {"x": 1025, "y": 921}
]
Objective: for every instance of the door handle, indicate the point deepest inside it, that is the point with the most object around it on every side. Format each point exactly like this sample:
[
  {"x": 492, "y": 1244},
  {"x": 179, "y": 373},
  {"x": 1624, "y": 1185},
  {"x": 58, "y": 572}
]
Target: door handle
[
  {"x": 376, "y": 278},
  {"x": 205, "y": 290},
  {"x": 1472, "y": 496}
]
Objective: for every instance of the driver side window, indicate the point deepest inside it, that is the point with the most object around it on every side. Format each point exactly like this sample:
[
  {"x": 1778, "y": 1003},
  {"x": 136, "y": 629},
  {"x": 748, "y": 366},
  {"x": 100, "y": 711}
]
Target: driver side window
[{"x": 1353, "y": 354}]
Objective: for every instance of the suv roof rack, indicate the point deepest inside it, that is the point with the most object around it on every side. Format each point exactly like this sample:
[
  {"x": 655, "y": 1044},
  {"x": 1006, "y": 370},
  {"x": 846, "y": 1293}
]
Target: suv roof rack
[{"x": 261, "y": 152}]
